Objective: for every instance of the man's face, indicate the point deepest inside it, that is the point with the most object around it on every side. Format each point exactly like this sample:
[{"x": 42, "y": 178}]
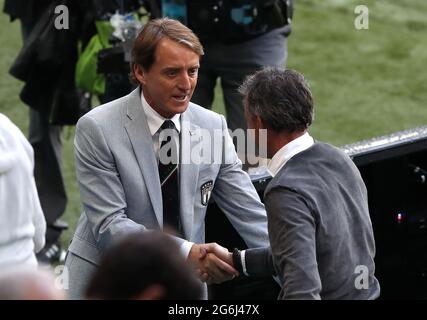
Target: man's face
[
  {"x": 252, "y": 125},
  {"x": 169, "y": 84},
  {"x": 257, "y": 133},
  {"x": 248, "y": 117}
]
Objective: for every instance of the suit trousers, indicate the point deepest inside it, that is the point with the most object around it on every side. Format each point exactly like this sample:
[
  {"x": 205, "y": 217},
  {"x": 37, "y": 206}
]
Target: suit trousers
[{"x": 80, "y": 273}]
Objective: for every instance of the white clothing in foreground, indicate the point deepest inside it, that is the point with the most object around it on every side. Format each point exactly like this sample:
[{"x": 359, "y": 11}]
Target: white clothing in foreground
[{"x": 22, "y": 223}]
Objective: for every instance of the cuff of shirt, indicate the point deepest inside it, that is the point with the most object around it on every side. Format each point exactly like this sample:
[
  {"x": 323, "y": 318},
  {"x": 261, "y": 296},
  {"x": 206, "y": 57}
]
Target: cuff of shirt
[
  {"x": 242, "y": 257},
  {"x": 185, "y": 248}
]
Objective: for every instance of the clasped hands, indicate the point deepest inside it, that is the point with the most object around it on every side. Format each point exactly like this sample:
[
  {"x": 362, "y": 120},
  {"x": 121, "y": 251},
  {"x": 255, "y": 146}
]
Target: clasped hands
[{"x": 213, "y": 263}]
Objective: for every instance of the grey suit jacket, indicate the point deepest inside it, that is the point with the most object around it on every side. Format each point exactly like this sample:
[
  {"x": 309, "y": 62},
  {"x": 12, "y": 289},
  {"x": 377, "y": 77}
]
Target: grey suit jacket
[
  {"x": 119, "y": 184},
  {"x": 320, "y": 230}
]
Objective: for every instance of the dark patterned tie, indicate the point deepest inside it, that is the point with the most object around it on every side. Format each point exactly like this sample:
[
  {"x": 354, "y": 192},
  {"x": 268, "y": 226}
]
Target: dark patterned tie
[{"x": 168, "y": 173}]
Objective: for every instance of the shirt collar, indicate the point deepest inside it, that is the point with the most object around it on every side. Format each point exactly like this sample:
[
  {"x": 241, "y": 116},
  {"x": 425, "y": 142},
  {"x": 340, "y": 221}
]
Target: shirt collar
[
  {"x": 155, "y": 120},
  {"x": 288, "y": 151}
]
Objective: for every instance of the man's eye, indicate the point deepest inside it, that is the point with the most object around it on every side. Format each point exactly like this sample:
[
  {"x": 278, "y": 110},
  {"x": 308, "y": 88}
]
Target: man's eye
[
  {"x": 193, "y": 72},
  {"x": 171, "y": 73}
]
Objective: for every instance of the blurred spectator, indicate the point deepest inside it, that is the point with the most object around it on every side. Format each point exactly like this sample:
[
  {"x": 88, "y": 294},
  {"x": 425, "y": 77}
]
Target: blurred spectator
[
  {"x": 22, "y": 224},
  {"x": 239, "y": 37},
  {"x": 144, "y": 266},
  {"x": 46, "y": 64},
  {"x": 28, "y": 284}
]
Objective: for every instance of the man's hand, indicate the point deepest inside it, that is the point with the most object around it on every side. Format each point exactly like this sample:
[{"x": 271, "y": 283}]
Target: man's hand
[{"x": 213, "y": 262}]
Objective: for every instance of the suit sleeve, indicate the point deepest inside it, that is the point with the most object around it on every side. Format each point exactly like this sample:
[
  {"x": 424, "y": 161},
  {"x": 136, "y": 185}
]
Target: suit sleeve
[
  {"x": 101, "y": 190},
  {"x": 293, "y": 241},
  {"x": 259, "y": 262},
  {"x": 236, "y": 196}
]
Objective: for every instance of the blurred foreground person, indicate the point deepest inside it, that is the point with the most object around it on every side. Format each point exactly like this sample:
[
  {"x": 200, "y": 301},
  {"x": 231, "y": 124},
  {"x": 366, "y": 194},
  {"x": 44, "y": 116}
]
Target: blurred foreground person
[
  {"x": 144, "y": 266},
  {"x": 28, "y": 284},
  {"x": 22, "y": 224}
]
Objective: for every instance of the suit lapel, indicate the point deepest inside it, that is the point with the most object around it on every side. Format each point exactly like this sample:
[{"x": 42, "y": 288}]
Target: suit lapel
[
  {"x": 189, "y": 171},
  {"x": 137, "y": 129}
]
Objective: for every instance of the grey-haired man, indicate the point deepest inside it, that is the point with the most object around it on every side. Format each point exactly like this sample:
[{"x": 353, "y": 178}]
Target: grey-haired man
[{"x": 321, "y": 236}]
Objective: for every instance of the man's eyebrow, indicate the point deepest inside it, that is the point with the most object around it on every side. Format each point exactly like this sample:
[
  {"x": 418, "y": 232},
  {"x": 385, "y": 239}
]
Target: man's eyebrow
[
  {"x": 171, "y": 69},
  {"x": 196, "y": 66}
]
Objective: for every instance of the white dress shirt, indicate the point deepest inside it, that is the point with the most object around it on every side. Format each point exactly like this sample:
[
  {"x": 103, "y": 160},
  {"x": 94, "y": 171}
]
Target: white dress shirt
[
  {"x": 155, "y": 121},
  {"x": 288, "y": 151}
]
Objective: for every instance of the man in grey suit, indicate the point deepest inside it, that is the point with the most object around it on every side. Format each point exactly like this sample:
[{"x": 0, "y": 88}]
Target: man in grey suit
[
  {"x": 322, "y": 242},
  {"x": 125, "y": 183}
]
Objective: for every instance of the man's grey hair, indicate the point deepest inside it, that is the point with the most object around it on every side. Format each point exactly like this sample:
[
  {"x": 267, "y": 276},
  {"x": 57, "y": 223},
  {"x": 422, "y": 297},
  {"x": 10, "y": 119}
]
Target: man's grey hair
[{"x": 281, "y": 98}]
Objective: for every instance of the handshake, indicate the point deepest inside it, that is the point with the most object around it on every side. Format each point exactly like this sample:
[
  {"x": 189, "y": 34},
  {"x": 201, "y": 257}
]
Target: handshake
[{"x": 213, "y": 263}]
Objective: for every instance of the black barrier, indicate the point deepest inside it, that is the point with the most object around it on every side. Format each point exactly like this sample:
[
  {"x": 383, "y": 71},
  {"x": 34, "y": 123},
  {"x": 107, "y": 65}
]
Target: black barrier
[{"x": 394, "y": 168}]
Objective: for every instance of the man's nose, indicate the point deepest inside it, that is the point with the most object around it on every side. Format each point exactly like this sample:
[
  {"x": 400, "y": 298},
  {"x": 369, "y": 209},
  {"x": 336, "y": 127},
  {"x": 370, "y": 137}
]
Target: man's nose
[{"x": 184, "y": 82}]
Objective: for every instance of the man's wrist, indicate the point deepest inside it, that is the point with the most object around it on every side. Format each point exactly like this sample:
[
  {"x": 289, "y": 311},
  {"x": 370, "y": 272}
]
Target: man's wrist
[
  {"x": 185, "y": 248},
  {"x": 237, "y": 260},
  {"x": 243, "y": 259}
]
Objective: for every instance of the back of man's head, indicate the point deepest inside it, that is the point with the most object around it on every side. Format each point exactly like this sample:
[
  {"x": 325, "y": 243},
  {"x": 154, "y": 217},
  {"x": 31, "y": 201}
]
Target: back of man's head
[
  {"x": 281, "y": 98},
  {"x": 28, "y": 284},
  {"x": 147, "y": 266}
]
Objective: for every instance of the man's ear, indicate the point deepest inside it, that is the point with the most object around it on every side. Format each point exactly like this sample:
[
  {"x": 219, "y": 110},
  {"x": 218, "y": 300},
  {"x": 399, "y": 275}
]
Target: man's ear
[{"x": 139, "y": 73}]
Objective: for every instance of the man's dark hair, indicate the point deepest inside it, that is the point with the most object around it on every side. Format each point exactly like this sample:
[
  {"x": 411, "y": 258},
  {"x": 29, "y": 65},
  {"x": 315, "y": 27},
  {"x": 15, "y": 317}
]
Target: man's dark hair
[
  {"x": 281, "y": 98},
  {"x": 140, "y": 260}
]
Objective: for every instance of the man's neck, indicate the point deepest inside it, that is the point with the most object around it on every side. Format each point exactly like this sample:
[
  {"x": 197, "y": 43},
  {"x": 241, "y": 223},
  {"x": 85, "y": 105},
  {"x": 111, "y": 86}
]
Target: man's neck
[
  {"x": 151, "y": 104},
  {"x": 277, "y": 140}
]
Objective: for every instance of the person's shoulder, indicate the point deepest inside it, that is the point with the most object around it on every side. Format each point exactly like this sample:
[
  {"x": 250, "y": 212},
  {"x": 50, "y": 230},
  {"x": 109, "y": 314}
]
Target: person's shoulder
[
  {"x": 327, "y": 146},
  {"x": 332, "y": 152},
  {"x": 7, "y": 144},
  {"x": 13, "y": 144},
  {"x": 320, "y": 151},
  {"x": 204, "y": 117},
  {"x": 5, "y": 122},
  {"x": 203, "y": 112},
  {"x": 106, "y": 113},
  {"x": 107, "y": 108},
  {"x": 302, "y": 167},
  {"x": 9, "y": 130}
]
